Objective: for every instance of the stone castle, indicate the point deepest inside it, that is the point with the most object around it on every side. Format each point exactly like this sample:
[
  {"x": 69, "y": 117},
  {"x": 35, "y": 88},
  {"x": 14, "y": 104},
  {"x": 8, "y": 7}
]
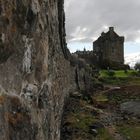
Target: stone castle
[
  {"x": 109, "y": 48},
  {"x": 108, "y": 51}
]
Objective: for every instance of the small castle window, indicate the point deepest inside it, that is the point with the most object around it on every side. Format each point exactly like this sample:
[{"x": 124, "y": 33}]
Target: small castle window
[
  {"x": 113, "y": 50},
  {"x": 97, "y": 49}
]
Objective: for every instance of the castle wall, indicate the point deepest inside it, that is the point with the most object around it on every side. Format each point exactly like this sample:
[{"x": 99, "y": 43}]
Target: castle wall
[{"x": 113, "y": 51}]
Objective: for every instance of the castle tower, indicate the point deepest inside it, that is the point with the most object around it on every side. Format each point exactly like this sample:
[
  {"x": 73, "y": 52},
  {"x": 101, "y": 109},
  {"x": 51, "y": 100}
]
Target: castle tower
[{"x": 109, "y": 48}]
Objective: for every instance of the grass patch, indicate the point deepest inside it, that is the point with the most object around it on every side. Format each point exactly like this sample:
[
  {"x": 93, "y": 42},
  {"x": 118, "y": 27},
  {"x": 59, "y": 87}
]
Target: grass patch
[
  {"x": 82, "y": 121},
  {"x": 134, "y": 80},
  {"x": 120, "y": 78},
  {"x": 119, "y": 73},
  {"x": 101, "y": 98},
  {"x": 130, "y": 132},
  {"x": 80, "y": 116},
  {"x": 118, "y": 98},
  {"x": 115, "y": 80},
  {"x": 104, "y": 135}
]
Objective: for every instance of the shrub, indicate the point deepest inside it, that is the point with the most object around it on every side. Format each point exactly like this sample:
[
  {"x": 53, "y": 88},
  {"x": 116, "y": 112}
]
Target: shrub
[
  {"x": 137, "y": 66},
  {"x": 111, "y": 73},
  {"x": 134, "y": 73}
]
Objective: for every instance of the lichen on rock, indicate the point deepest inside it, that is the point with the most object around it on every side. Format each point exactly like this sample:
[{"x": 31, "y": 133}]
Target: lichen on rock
[
  {"x": 34, "y": 71},
  {"x": 27, "y": 59}
]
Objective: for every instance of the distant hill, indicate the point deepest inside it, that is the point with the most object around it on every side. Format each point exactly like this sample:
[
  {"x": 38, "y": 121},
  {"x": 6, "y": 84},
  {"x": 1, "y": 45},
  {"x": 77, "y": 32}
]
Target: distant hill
[{"x": 132, "y": 59}]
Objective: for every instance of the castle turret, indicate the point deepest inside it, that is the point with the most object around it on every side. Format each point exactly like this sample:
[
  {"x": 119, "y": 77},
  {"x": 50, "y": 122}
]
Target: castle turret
[{"x": 111, "y": 28}]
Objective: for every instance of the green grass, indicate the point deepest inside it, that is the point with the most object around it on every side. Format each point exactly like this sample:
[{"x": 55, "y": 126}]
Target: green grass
[
  {"x": 122, "y": 73},
  {"x": 120, "y": 77},
  {"x": 130, "y": 132},
  {"x": 104, "y": 135},
  {"x": 114, "y": 80},
  {"x": 82, "y": 121},
  {"x": 81, "y": 117},
  {"x": 119, "y": 73},
  {"x": 135, "y": 80},
  {"x": 101, "y": 98}
]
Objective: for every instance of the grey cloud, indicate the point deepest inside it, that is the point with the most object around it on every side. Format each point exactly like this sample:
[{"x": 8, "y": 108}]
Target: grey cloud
[{"x": 95, "y": 15}]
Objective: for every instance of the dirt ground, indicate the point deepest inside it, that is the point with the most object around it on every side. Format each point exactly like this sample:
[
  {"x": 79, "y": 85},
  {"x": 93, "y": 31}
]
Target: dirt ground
[{"x": 98, "y": 116}]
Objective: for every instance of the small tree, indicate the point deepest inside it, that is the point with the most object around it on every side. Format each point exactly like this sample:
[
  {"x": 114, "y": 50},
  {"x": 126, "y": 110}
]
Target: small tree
[{"x": 137, "y": 66}]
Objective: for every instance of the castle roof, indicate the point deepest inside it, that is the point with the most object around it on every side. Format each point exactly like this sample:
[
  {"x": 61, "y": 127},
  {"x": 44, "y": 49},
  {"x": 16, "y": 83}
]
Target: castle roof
[{"x": 110, "y": 35}]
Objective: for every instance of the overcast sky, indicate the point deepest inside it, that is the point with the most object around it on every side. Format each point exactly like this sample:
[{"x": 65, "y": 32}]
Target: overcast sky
[{"x": 86, "y": 19}]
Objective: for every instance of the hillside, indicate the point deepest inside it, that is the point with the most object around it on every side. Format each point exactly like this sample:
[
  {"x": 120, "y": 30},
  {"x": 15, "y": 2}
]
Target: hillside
[{"x": 109, "y": 113}]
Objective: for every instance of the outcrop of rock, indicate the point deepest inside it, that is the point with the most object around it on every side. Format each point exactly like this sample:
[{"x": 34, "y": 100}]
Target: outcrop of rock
[
  {"x": 131, "y": 108},
  {"x": 35, "y": 74}
]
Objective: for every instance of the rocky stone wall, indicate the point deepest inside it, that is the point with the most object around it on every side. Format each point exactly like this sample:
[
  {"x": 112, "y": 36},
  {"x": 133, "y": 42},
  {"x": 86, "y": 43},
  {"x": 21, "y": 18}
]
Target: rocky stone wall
[{"x": 35, "y": 75}]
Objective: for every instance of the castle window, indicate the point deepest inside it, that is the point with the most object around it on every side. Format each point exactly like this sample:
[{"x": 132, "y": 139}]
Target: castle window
[
  {"x": 97, "y": 49},
  {"x": 113, "y": 50}
]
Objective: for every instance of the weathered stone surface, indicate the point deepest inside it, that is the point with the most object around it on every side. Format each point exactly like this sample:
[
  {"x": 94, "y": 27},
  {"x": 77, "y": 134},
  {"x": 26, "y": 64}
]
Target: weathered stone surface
[
  {"x": 35, "y": 75},
  {"x": 131, "y": 108}
]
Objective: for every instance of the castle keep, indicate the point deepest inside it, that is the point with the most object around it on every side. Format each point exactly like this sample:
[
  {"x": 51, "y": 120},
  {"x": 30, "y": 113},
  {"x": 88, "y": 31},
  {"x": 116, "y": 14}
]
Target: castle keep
[{"x": 109, "y": 49}]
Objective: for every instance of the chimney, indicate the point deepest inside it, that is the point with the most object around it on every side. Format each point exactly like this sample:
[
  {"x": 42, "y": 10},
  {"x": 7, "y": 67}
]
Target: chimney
[
  {"x": 102, "y": 34},
  {"x": 111, "y": 28}
]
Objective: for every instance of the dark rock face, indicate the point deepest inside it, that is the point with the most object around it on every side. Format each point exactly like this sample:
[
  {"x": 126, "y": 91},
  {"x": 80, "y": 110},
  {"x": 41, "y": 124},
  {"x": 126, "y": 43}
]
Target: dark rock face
[
  {"x": 131, "y": 108},
  {"x": 35, "y": 75}
]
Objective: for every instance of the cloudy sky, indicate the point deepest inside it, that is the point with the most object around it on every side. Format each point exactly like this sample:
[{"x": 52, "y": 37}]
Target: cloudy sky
[{"x": 86, "y": 19}]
